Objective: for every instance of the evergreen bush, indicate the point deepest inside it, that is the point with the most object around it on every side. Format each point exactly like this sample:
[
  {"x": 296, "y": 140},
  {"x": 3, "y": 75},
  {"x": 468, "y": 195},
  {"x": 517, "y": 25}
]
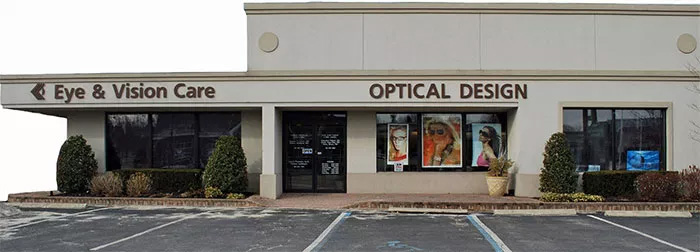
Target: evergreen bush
[
  {"x": 226, "y": 168},
  {"x": 559, "y": 172},
  {"x": 76, "y": 165},
  {"x": 168, "y": 180}
]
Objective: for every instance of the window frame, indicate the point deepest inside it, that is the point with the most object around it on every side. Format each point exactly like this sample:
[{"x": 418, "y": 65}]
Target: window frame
[{"x": 666, "y": 113}]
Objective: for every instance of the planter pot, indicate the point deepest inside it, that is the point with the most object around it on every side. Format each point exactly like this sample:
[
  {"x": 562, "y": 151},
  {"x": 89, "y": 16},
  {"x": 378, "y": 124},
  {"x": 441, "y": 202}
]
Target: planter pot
[{"x": 497, "y": 186}]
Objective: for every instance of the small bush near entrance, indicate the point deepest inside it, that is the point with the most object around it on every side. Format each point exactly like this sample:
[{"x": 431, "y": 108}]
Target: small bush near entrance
[
  {"x": 559, "y": 172},
  {"x": 656, "y": 186},
  {"x": 226, "y": 168},
  {"x": 570, "y": 197},
  {"x": 108, "y": 184},
  {"x": 138, "y": 185},
  {"x": 75, "y": 166},
  {"x": 691, "y": 183},
  {"x": 168, "y": 180}
]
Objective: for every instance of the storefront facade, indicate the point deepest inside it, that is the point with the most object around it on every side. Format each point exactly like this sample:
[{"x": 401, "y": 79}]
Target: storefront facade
[{"x": 405, "y": 98}]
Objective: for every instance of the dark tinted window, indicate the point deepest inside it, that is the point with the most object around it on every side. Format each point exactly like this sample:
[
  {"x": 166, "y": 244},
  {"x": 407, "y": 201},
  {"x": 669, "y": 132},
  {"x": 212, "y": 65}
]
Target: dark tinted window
[
  {"x": 605, "y": 139},
  {"x": 127, "y": 141}
]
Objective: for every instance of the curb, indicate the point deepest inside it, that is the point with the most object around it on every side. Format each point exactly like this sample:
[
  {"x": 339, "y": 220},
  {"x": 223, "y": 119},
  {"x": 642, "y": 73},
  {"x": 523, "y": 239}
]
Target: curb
[
  {"x": 661, "y": 214},
  {"x": 490, "y": 207},
  {"x": 535, "y": 212},
  {"x": 118, "y": 201},
  {"x": 427, "y": 210},
  {"x": 48, "y": 205}
]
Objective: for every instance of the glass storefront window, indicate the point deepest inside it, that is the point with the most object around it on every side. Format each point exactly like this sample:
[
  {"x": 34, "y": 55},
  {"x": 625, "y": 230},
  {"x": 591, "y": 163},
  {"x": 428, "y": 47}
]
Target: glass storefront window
[
  {"x": 616, "y": 139},
  {"x": 439, "y": 141},
  {"x": 126, "y": 135},
  {"x": 166, "y": 140}
]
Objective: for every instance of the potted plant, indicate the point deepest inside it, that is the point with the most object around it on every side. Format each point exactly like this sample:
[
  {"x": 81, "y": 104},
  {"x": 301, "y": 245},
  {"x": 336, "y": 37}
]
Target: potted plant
[{"x": 497, "y": 177}]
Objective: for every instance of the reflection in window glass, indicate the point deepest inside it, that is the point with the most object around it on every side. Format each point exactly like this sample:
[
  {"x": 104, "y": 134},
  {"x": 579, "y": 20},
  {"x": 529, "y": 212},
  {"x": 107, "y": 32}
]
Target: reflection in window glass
[
  {"x": 606, "y": 139},
  {"x": 127, "y": 138},
  {"x": 211, "y": 127},
  {"x": 640, "y": 139},
  {"x": 173, "y": 140}
]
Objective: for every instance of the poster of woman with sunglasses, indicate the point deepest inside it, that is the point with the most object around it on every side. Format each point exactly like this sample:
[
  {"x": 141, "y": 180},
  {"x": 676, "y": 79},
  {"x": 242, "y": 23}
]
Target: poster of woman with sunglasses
[
  {"x": 486, "y": 143},
  {"x": 398, "y": 144},
  {"x": 442, "y": 140}
]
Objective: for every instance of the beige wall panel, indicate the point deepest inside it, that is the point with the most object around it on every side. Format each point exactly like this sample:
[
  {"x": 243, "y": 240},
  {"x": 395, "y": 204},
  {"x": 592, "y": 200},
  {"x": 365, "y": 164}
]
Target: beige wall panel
[
  {"x": 554, "y": 42},
  {"x": 421, "y": 41},
  {"x": 527, "y": 185},
  {"x": 251, "y": 140},
  {"x": 92, "y": 126},
  {"x": 307, "y": 42},
  {"x": 361, "y": 142},
  {"x": 642, "y": 42},
  {"x": 418, "y": 182}
]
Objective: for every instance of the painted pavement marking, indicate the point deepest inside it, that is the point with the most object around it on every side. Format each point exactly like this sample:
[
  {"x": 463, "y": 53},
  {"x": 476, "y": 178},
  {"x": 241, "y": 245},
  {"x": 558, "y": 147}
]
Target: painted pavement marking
[
  {"x": 322, "y": 237},
  {"x": 641, "y": 233},
  {"x": 147, "y": 231},
  {"x": 57, "y": 217},
  {"x": 490, "y": 236}
]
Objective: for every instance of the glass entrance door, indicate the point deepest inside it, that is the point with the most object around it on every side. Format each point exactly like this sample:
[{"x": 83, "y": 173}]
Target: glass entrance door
[{"x": 314, "y": 152}]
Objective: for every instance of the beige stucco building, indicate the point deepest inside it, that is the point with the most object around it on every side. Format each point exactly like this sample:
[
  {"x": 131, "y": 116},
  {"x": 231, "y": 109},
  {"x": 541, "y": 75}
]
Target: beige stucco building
[{"x": 405, "y": 98}]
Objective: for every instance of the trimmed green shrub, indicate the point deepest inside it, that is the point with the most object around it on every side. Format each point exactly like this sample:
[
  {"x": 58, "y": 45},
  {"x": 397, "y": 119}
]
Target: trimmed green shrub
[
  {"x": 75, "y": 166},
  {"x": 168, "y": 180},
  {"x": 226, "y": 168},
  {"x": 571, "y": 197},
  {"x": 656, "y": 186},
  {"x": 138, "y": 185},
  {"x": 212, "y": 192},
  {"x": 612, "y": 183},
  {"x": 107, "y": 184},
  {"x": 559, "y": 172}
]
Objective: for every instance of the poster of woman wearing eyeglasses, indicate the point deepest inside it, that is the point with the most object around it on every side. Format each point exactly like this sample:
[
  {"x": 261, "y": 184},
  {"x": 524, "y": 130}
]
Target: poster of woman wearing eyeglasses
[
  {"x": 486, "y": 143},
  {"x": 397, "y": 144},
  {"x": 442, "y": 140}
]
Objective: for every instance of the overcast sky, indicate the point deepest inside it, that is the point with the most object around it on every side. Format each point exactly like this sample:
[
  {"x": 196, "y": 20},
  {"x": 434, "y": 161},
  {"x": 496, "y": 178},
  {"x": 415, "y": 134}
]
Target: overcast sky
[{"x": 70, "y": 36}]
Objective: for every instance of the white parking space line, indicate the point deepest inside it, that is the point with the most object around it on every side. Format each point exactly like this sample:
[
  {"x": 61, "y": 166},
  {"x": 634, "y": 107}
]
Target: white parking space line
[
  {"x": 328, "y": 230},
  {"x": 641, "y": 233},
  {"x": 496, "y": 242},
  {"x": 57, "y": 217},
  {"x": 147, "y": 231}
]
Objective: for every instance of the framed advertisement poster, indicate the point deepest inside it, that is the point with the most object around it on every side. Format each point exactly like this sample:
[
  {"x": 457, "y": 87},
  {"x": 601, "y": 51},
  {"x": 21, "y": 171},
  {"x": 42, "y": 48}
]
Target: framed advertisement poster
[
  {"x": 442, "y": 140},
  {"x": 641, "y": 160},
  {"x": 397, "y": 144},
  {"x": 486, "y": 143}
]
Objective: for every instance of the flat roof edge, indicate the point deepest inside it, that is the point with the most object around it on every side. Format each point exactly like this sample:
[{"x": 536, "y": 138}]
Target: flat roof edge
[
  {"x": 515, "y": 8},
  {"x": 352, "y": 75}
]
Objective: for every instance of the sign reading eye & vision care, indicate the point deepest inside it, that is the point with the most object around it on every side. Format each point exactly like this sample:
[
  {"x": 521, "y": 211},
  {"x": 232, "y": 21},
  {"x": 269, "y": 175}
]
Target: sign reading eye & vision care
[
  {"x": 123, "y": 91},
  {"x": 476, "y": 90}
]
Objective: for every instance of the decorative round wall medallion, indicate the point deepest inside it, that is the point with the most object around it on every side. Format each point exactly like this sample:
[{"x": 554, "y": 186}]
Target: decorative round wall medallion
[
  {"x": 268, "y": 42},
  {"x": 687, "y": 43}
]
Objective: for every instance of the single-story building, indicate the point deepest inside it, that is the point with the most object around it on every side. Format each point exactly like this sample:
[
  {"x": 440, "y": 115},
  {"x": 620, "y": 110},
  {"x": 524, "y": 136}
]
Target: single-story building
[{"x": 405, "y": 97}]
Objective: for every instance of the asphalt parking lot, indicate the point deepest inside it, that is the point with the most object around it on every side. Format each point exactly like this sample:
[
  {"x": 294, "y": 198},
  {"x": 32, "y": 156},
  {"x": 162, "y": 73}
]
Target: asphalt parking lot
[{"x": 250, "y": 229}]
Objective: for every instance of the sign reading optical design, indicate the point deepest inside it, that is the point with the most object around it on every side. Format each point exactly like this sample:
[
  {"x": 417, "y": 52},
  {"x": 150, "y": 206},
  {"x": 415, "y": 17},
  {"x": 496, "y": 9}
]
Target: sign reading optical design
[
  {"x": 397, "y": 144},
  {"x": 442, "y": 140},
  {"x": 476, "y": 90}
]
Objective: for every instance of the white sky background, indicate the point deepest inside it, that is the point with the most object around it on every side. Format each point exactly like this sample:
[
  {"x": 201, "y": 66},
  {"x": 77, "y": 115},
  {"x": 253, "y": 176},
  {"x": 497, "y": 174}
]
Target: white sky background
[{"x": 71, "y": 36}]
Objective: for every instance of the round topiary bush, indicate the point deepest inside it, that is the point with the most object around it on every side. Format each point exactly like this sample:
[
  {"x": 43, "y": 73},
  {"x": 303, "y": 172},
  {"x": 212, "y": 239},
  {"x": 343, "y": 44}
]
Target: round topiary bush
[
  {"x": 75, "y": 166},
  {"x": 559, "y": 172},
  {"x": 226, "y": 168}
]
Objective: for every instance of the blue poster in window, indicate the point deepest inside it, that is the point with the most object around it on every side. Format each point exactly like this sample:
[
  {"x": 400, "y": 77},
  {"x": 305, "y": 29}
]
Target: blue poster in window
[{"x": 642, "y": 160}]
